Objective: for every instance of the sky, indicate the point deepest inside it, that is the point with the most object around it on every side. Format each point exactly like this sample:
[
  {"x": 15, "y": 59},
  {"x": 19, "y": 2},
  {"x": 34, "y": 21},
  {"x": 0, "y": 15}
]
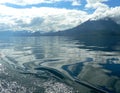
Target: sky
[{"x": 54, "y": 15}]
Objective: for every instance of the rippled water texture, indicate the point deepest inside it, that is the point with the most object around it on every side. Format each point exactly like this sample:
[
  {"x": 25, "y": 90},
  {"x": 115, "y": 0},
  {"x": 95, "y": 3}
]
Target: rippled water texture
[{"x": 57, "y": 64}]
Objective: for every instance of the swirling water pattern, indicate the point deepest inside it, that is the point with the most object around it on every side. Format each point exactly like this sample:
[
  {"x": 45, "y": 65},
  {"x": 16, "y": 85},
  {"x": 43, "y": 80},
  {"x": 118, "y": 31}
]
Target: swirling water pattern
[{"x": 57, "y": 64}]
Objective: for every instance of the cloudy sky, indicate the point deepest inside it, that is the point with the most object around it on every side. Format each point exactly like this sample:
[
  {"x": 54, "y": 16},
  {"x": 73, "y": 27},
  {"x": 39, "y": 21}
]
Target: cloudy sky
[{"x": 54, "y": 15}]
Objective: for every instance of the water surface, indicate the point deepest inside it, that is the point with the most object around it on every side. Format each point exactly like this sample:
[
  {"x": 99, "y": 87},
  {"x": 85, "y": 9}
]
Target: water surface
[{"x": 58, "y": 64}]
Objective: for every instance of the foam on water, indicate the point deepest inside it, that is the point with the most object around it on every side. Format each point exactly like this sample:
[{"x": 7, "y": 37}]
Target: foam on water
[
  {"x": 11, "y": 87},
  {"x": 12, "y": 81},
  {"x": 47, "y": 87}
]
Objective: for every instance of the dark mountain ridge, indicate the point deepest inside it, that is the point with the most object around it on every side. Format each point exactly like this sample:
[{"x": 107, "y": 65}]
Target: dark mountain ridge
[
  {"x": 100, "y": 27},
  {"x": 92, "y": 27}
]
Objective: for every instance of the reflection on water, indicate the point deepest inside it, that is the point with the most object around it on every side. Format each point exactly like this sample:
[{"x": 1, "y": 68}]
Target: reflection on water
[{"x": 57, "y": 64}]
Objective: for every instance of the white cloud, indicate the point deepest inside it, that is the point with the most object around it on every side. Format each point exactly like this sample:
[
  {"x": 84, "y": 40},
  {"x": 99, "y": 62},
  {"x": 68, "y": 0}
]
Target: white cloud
[
  {"x": 113, "y": 13},
  {"x": 102, "y": 10},
  {"x": 52, "y": 19},
  {"x": 4, "y": 27},
  {"x": 106, "y": 12},
  {"x": 76, "y": 3},
  {"x": 31, "y": 2},
  {"x": 25, "y": 2},
  {"x": 95, "y": 3},
  {"x": 44, "y": 18}
]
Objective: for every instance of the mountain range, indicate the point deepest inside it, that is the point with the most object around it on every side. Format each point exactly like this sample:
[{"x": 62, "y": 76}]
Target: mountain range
[
  {"x": 99, "y": 27},
  {"x": 104, "y": 26}
]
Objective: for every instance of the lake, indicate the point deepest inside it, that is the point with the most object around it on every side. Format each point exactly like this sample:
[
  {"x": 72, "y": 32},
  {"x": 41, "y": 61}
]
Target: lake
[{"x": 60, "y": 64}]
